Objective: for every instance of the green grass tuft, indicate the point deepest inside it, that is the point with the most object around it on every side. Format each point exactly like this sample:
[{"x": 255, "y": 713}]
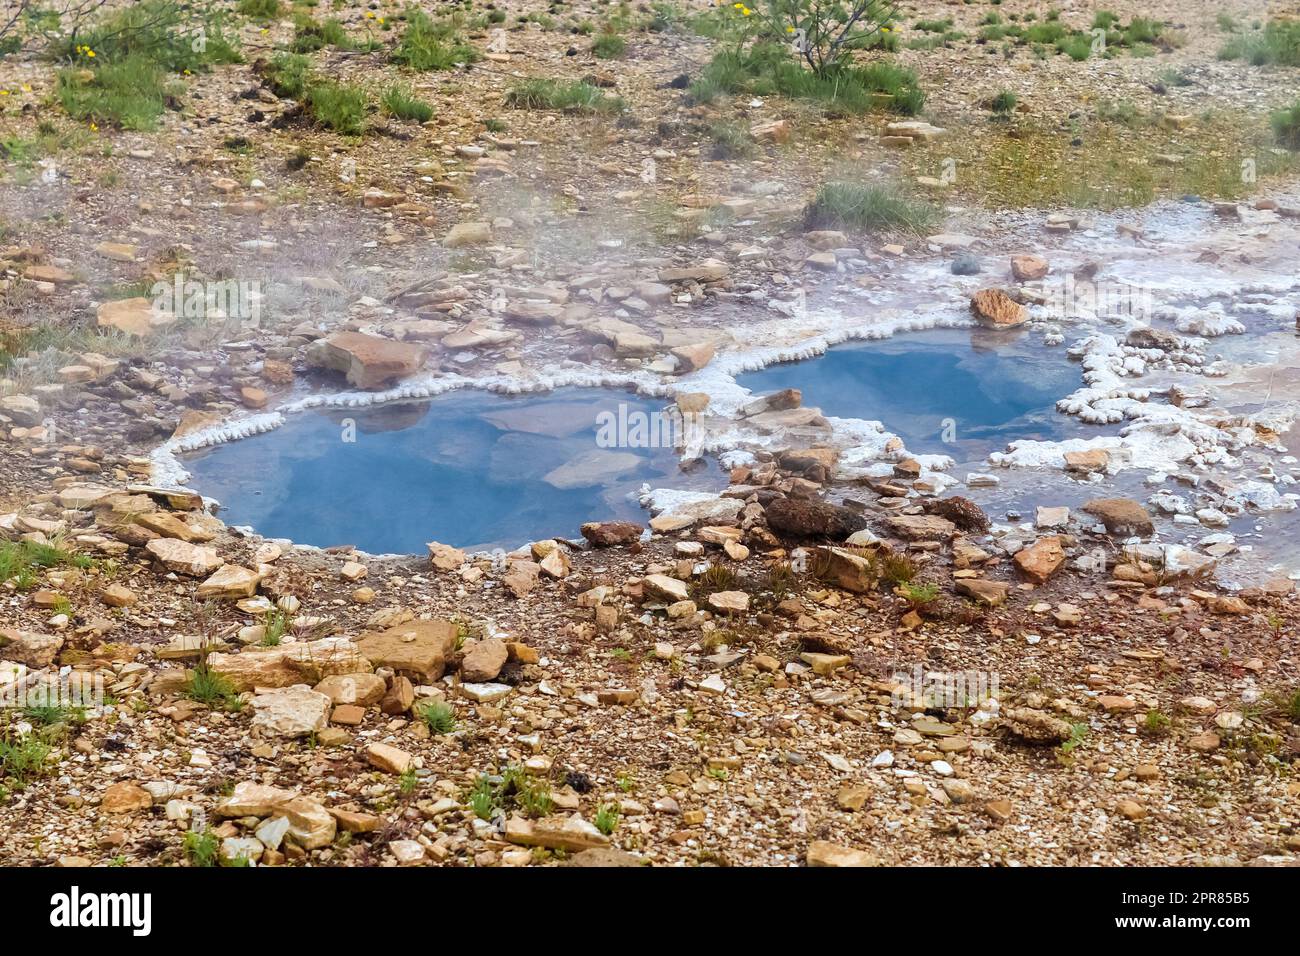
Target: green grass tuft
[
  {"x": 259, "y": 9},
  {"x": 1286, "y": 126},
  {"x": 609, "y": 46},
  {"x": 22, "y": 759},
  {"x": 399, "y": 101},
  {"x": 868, "y": 208},
  {"x": 129, "y": 94},
  {"x": 574, "y": 96},
  {"x": 430, "y": 45},
  {"x": 438, "y": 716}
]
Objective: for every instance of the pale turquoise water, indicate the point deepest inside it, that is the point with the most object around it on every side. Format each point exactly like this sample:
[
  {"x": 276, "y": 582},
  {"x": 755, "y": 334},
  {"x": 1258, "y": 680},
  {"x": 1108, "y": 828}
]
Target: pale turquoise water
[
  {"x": 980, "y": 390},
  {"x": 469, "y": 469}
]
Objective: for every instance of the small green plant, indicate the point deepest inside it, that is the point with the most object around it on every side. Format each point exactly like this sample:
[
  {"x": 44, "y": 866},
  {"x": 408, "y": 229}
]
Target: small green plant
[
  {"x": 482, "y": 799},
  {"x": 274, "y": 626},
  {"x": 730, "y": 141},
  {"x": 50, "y": 714},
  {"x": 438, "y": 716},
  {"x": 310, "y": 36},
  {"x": 897, "y": 568},
  {"x": 716, "y": 577},
  {"x": 780, "y": 580},
  {"x": 572, "y": 96},
  {"x": 1004, "y": 102},
  {"x": 129, "y": 94},
  {"x": 408, "y": 781},
  {"x": 22, "y": 759},
  {"x": 868, "y": 208},
  {"x": 919, "y": 595},
  {"x": 1078, "y": 733},
  {"x": 1156, "y": 724},
  {"x": 1277, "y": 43},
  {"x": 22, "y": 561},
  {"x": 626, "y": 782},
  {"x": 287, "y": 75},
  {"x": 513, "y": 789},
  {"x": 606, "y": 819},
  {"x": 400, "y": 102},
  {"x": 201, "y": 847},
  {"x": 209, "y": 687},
  {"x": 1288, "y": 703}
]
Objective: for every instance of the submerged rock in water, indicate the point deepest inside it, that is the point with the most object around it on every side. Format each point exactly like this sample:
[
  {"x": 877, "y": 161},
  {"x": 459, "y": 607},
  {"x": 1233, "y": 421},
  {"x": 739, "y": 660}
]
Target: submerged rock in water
[{"x": 591, "y": 468}]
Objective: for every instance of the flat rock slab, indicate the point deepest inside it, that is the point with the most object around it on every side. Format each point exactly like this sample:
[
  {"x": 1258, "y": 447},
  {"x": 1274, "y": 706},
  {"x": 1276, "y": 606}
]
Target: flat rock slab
[
  {"x": 417, "y": 649},
  {"x": 307, "y": 663},
  {"x": 368, "y": 361}
]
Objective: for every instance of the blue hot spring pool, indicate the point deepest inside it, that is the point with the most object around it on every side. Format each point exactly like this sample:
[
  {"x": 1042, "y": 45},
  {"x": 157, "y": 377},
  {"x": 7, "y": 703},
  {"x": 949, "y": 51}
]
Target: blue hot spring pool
[{"x": 470, "y": 469}]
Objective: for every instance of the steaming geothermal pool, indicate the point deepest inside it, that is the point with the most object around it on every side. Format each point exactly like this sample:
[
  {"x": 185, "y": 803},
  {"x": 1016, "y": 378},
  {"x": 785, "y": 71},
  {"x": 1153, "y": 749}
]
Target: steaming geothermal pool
[
  {"x": 469, "y": 468},
  {"x": 979, "y": 390}
]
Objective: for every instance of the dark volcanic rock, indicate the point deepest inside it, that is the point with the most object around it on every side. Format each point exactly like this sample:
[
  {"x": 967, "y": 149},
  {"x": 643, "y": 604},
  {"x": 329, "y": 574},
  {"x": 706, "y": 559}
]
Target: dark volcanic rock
[
  {"x": 812, "y": 519},
  {"x": 962, "y": 512},
  {"x": 605, "y": 534}
]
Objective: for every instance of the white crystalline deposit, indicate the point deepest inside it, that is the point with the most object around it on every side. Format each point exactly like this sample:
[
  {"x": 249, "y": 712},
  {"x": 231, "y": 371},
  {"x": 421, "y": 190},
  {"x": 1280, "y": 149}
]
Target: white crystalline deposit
[{"x": 1209, "y": 323}]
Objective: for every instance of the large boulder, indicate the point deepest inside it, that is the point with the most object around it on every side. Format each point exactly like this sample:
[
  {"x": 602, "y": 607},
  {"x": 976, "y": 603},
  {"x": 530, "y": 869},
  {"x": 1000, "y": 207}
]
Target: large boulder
[
  {"x": 310, "y": 824},
  {"x": 308, "y": 662},
  {"x": 1122, "y": 516},
  {"x": 964, "y": 513},
  {"x": 135, "y": 316},
  {"x": 416, "y": 649},
  {"x": 996, "y": 309},
  {"x": 801, "y": 518},
  {"x": 607, "y": 534},
  {"x": 195, "y": 560},
  {"x": 23, "y": 410},
  {"x": 483, "y": 662},
  {"x": 1042, "y": 559},
  {"x": 368, "y": 361},
  {"x": 1026, "y": 267},
  {"x": 847, "y": 569},
  {"x": 29, "y": 647},
  {"x": 296, "y": 711},
  {"x": 920, "y": 527}
]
